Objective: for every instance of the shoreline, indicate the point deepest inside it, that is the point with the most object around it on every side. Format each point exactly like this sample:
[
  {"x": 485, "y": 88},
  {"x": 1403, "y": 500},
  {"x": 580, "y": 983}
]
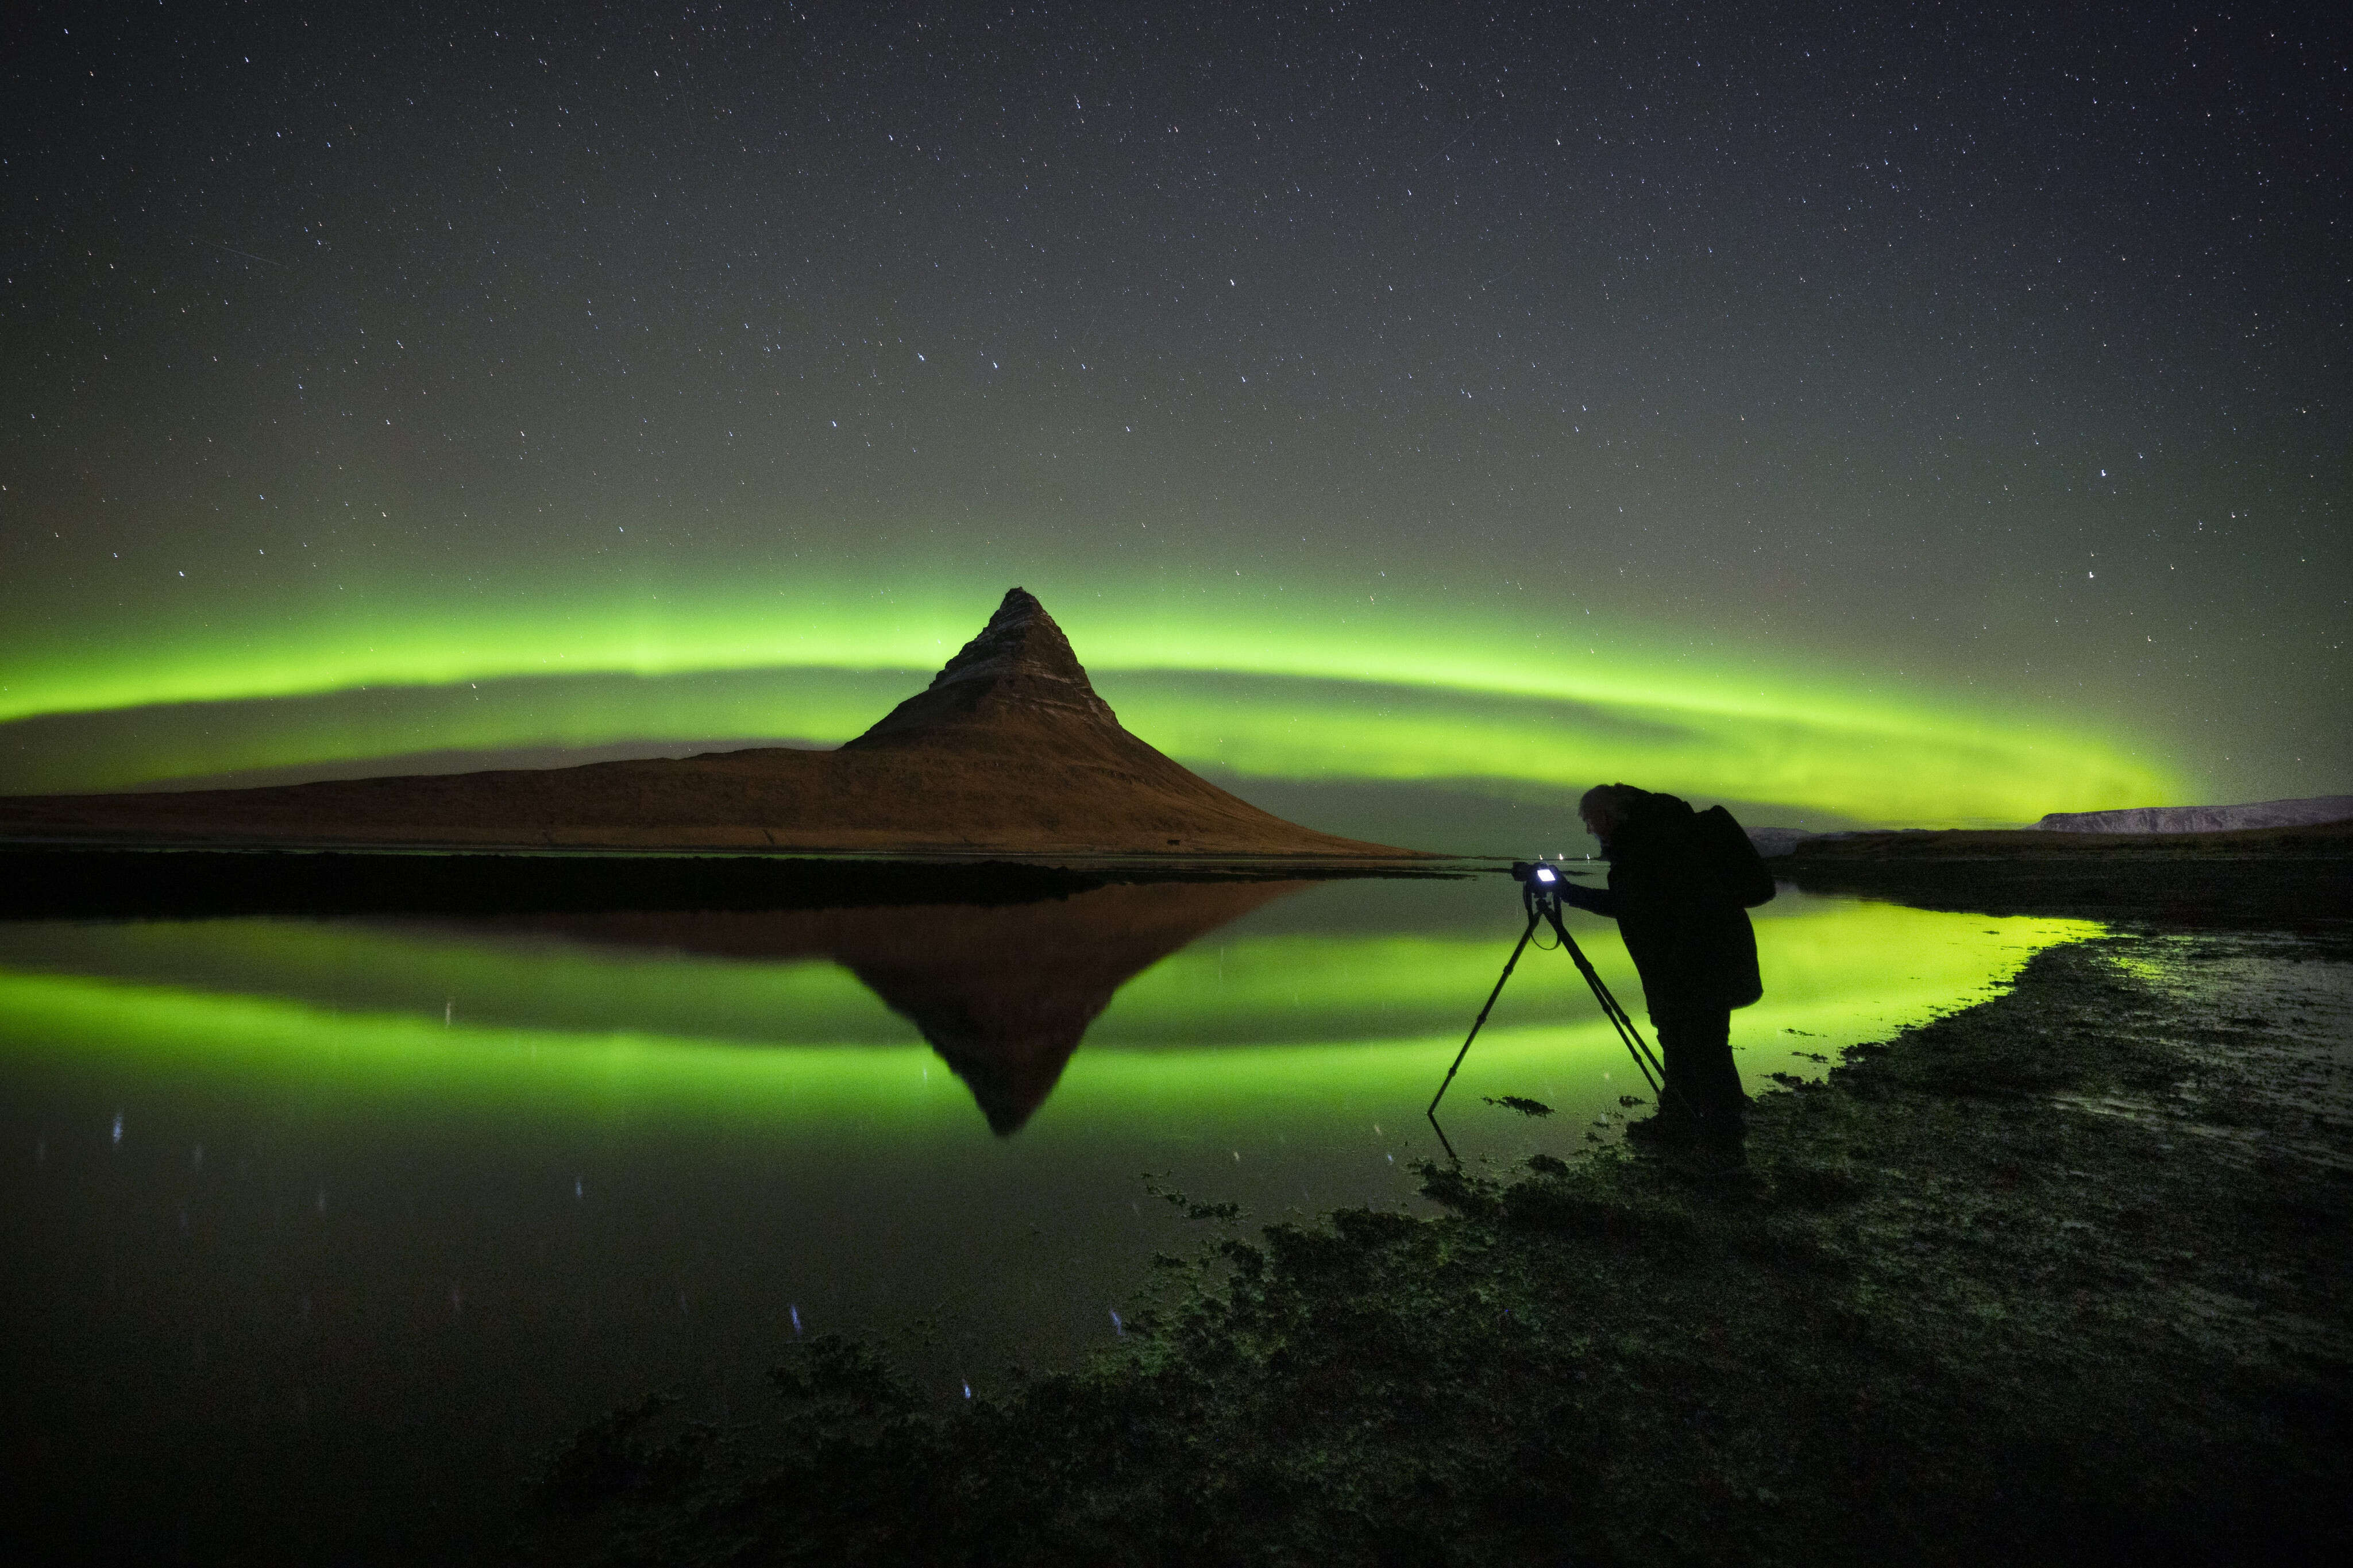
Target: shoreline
[
  {"x": 170, "y": 882},
  {"x": 2293, "y": 880},
  {"x": 2056, "y": 1277}
]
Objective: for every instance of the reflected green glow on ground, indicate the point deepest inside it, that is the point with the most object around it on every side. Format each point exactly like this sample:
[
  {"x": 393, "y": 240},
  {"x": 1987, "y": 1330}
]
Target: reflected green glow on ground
[
  {"x": 1257, "y": 1029},
  {"x": 1303, "y": 689}
]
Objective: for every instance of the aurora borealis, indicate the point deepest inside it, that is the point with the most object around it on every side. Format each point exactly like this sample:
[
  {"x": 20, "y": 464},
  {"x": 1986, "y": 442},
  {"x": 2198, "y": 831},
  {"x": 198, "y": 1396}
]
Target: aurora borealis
[{"x": 1909, "y": 415}]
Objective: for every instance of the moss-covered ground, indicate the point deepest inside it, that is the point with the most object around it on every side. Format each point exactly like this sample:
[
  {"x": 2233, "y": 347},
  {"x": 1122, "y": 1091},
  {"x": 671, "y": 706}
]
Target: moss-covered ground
[{"x": 2062, "y": 1278}]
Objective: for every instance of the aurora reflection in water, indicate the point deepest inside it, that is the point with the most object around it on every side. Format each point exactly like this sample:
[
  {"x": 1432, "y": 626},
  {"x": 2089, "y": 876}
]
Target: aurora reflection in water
[{"x": 287, "y": 1187}]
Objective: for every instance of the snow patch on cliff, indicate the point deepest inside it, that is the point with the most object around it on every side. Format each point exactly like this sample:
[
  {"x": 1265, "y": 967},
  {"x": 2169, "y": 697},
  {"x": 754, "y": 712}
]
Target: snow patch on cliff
[
  {"x": 1773, "y": 841},
  {"x": 2202, "y": 818}
]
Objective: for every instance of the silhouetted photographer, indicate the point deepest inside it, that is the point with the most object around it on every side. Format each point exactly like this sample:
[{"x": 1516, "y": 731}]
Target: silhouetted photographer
[{"x": 1680, "y": 885}]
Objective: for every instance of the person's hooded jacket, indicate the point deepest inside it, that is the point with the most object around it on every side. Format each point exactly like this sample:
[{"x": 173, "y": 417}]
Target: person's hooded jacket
[{"x": 1688, "y": 935}]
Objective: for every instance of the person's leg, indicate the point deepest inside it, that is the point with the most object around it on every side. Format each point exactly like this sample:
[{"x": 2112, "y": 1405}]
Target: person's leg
[
  {"x": 1718, "y": 1079},
  {"x": 1702, "y": 1086},
  {"x": 1677, "y": 1119}
]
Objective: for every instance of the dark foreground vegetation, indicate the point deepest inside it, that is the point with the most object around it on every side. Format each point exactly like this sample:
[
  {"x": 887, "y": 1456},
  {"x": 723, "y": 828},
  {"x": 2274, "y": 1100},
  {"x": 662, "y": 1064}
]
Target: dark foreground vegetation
[{"x": 2059, "y": 1278}]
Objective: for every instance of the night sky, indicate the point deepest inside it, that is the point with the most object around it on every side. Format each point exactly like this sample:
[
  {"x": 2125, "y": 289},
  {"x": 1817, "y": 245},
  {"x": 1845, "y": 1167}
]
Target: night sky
[{"x": 1414, "y": 414}]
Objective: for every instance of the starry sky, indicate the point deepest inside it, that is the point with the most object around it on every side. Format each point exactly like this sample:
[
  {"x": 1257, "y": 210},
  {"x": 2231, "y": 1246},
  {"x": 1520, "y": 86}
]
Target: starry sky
[{"x": 1413, "y": 413}]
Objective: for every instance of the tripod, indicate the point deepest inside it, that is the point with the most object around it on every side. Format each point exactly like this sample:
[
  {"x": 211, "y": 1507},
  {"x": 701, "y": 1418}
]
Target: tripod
[{"x": 1540, "y": 893}]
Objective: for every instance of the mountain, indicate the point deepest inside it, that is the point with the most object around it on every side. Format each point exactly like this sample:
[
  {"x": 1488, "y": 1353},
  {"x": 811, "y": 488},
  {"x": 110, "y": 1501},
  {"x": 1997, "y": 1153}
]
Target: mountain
[
  {"x": 1009, "y": 750},
  {"x": 1004, "y": 995},
  {"x": 2203, "y": 819}
]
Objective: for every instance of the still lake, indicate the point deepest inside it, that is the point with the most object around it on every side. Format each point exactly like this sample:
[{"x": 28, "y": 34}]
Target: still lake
[{"x": 317, "y": 1230}]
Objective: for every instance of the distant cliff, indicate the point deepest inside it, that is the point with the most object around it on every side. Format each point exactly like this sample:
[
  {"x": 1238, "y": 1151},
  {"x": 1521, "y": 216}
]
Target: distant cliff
[
  {"x": 1008, "y": 751},
  {"x": 2203, "y": 819}
]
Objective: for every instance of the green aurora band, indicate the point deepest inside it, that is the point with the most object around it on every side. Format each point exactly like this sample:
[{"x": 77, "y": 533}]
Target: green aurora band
[{"x": 1279, "y": 687}]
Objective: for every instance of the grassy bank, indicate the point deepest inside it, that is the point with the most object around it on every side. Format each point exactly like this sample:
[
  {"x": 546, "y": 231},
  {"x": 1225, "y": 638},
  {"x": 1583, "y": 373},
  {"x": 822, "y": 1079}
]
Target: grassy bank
[{"x": 2060, "y": 1278}]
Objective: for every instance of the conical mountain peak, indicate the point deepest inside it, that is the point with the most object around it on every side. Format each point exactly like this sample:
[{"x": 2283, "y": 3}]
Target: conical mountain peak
[
  {"x": 1007, "y": 750},
  {"x": 1020, "y": 663}
]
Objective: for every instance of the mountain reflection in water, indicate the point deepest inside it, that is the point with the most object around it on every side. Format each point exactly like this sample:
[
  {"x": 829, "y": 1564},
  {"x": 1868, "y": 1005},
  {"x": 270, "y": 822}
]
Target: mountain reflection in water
[
  {"x": 313, "y": 1224},
  {"x": 1004, "y": 995}
]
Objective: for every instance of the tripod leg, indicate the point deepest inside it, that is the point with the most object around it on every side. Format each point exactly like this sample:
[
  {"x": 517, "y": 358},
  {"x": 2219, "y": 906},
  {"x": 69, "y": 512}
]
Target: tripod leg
[
  {"x": 1475, "y": 1024},
  {"x": 1443, "y": 1141},
  {"x": 1653, "y": 1071}
]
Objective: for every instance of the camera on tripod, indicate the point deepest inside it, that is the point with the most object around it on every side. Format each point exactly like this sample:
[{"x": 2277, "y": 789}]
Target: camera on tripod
[
  {"x": 1540, "y": 889},
  {"x": 1540, "y": 885}
]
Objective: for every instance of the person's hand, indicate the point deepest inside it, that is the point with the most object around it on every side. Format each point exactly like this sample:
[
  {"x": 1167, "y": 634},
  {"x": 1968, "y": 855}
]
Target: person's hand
[{"x": 1576, "y": 897}]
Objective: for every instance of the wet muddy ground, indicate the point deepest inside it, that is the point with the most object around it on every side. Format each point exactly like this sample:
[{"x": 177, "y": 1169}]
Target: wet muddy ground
[{"x": 2061, "y": 1277}]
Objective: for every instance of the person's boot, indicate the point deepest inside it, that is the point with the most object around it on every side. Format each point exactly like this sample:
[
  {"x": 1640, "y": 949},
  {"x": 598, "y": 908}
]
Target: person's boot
[
  {"x": 1723, "y": 1140},
  {"x": 1672, "y": 1127}
]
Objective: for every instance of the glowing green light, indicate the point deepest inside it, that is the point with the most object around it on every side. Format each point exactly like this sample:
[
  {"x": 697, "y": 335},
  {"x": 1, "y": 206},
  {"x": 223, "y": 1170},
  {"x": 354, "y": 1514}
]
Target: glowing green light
[
  {"x": 1257, "y": 1028},
  {"x": 375, "y": 1065},
  {"x": 1299, "y": 685}
]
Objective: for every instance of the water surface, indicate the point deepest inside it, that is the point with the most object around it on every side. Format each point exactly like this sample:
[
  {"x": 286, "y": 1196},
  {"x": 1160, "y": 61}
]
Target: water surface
[{"x": 321, "y": 1222}]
